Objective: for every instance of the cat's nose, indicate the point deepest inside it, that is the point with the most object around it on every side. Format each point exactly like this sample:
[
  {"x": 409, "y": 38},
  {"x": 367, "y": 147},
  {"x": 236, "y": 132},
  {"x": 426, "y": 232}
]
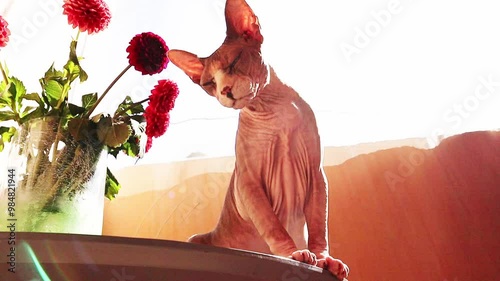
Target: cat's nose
[{"x": 227, "y": 92}]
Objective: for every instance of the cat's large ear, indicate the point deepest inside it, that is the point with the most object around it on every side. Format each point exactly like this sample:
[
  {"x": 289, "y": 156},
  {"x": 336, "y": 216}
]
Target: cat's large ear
[
  {"x": 242, "y": 22},
  {"x": 188, "y": 62}
]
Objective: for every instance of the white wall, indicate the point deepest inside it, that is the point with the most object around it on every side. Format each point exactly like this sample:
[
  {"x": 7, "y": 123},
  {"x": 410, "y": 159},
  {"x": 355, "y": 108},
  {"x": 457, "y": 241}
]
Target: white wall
[{"x": 415, "y": 76}]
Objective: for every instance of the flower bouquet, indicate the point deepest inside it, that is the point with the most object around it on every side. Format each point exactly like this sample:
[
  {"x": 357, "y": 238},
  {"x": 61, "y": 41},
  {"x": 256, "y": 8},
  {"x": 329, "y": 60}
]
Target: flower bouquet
[{"x": 61, "y": 144}]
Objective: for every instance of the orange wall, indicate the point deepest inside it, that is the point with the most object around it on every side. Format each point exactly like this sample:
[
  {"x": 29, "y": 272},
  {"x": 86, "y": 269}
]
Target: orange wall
[
  {"x": 438, "y": 220},
  {"x": 396, "y": 214}
]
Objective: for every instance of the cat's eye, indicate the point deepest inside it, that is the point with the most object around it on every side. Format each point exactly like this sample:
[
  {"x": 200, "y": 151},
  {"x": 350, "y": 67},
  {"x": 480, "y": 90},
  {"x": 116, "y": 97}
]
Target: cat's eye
[
  {"x": 233, "y": 63},
  {"x": 209, "y": 83}
]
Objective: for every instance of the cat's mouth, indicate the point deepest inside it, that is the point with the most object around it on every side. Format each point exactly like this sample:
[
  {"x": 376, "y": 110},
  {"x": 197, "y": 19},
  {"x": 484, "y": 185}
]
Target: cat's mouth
[{"x": 242, "y": 102}]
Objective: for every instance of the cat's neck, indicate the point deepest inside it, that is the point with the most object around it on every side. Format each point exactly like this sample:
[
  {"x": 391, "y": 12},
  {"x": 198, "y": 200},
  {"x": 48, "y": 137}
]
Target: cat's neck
[{"x": 274, "y": 95}]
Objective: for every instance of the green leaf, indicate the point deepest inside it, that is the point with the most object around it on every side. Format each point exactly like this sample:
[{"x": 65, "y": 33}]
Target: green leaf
[
  {"x": 112, "y": 186},
  {"x": 114, "y": 151},
  {"x": 54, "y": 92},
  {"x": 34, "y": 97},
  {"x": 53, "y": 74},
  {"x": 27, "y": 110},
  {"x": 19, "y": 88},
  {"x": 72, "y": 71},
  {"x": 132, "y": 147},
  {"x": 5, "y": 100},
  {"x": 83, "y": 75},
  {"x": 135, "y": 109},
  {"x": 89, "y": 100},
  {"x": 3, "y": 94},
  {"x": 97, "y": 118},
  {"x": 7, "y": 115},
  {"x": 73, "y": 58},
  {"x": 37, "y": 113},
  {"x": 55, "y": 85},
  {"x": 72, "y": 52},
  {"x": 16, "y": 94},
  {"x": 6, "y": 134},
  {"x": 138, "y": 118},
  {"x": 79, "y": 128},
  {"x": 75, "y": 110},
  {"x": 128, "y": 107},
  {"x": 112, "y": 134}
]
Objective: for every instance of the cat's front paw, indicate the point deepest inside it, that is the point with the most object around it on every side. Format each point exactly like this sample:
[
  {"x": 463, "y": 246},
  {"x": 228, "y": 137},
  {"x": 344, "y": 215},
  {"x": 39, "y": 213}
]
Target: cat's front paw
[
  {"x": 201, "y": 239},
  {"x": 335, "y": 266},
  {"x": 304, "y": 256}
]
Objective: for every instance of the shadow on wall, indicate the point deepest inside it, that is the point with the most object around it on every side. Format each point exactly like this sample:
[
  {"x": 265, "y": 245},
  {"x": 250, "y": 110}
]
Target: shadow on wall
[{"x": 395, "y": 214}]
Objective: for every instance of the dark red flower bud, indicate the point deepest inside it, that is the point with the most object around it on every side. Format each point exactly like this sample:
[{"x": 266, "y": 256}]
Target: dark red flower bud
[{"x": 147, "y": 53}]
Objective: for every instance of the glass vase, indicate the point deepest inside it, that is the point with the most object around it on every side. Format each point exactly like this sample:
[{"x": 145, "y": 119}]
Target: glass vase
[{"x": 53, "y": 183}]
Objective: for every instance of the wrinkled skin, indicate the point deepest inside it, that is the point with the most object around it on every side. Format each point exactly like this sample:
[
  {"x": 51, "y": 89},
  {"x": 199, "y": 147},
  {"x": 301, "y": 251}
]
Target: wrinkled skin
[{"x": 278, "y": 186}]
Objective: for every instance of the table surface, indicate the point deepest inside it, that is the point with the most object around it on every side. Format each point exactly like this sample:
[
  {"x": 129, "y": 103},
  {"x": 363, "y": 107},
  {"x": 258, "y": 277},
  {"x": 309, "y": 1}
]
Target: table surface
[{"x": 50, "y": 256}]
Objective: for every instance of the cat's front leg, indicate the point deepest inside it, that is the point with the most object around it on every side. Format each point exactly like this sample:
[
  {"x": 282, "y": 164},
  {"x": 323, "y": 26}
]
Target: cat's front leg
[
  {"x": 316, "y": 212},
  {"x": 257, "y": 208},
  {"x": 259, "y": 211}
]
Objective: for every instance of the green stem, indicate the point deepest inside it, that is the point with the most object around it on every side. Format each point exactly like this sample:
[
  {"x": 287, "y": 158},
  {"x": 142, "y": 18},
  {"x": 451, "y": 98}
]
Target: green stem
[
  {"x": 106, "y": 91},
  {"x": 63, "y": 95},
  {"x": 74, "y": 173},
  {"x": 33, "y": 166},
  {"x": 56, "y": 142},
  {"x": 89, "y": 156},
  {"x": 129, "y": 107},
  {"x": 4, "y": 74},
  {"x": 63, "y": 168},
  {"x": 36, "y": 165},
  {"x": 67, "y": 85}
]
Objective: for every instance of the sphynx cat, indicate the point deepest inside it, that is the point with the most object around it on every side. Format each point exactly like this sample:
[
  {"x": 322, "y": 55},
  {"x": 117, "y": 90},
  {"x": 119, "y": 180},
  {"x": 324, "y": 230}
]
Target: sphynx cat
[{"x": 278, "y": 186}]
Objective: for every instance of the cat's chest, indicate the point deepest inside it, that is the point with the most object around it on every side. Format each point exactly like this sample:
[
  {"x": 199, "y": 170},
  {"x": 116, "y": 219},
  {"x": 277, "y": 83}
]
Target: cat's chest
[
  {"x": 287, "y": 133},
  {"x": 282, "y": 123},
  {"x": 275, "y": 150}
]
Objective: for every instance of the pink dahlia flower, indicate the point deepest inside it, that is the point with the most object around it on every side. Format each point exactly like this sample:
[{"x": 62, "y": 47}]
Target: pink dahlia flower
[{"x": 89, "y": 16}]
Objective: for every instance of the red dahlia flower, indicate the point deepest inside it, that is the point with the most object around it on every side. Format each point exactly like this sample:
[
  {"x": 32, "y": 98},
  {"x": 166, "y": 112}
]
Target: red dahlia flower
[
  {"x": 156, "y": 123},
  {"x": 91, "y": 16},
  {"x": 163, "y": 96},
  {"x": 147, "y": 53},
  {"x": 157, "y": 113},
  {"x": 149, "y": 144},
  {"x": 4, "y": 32}
]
